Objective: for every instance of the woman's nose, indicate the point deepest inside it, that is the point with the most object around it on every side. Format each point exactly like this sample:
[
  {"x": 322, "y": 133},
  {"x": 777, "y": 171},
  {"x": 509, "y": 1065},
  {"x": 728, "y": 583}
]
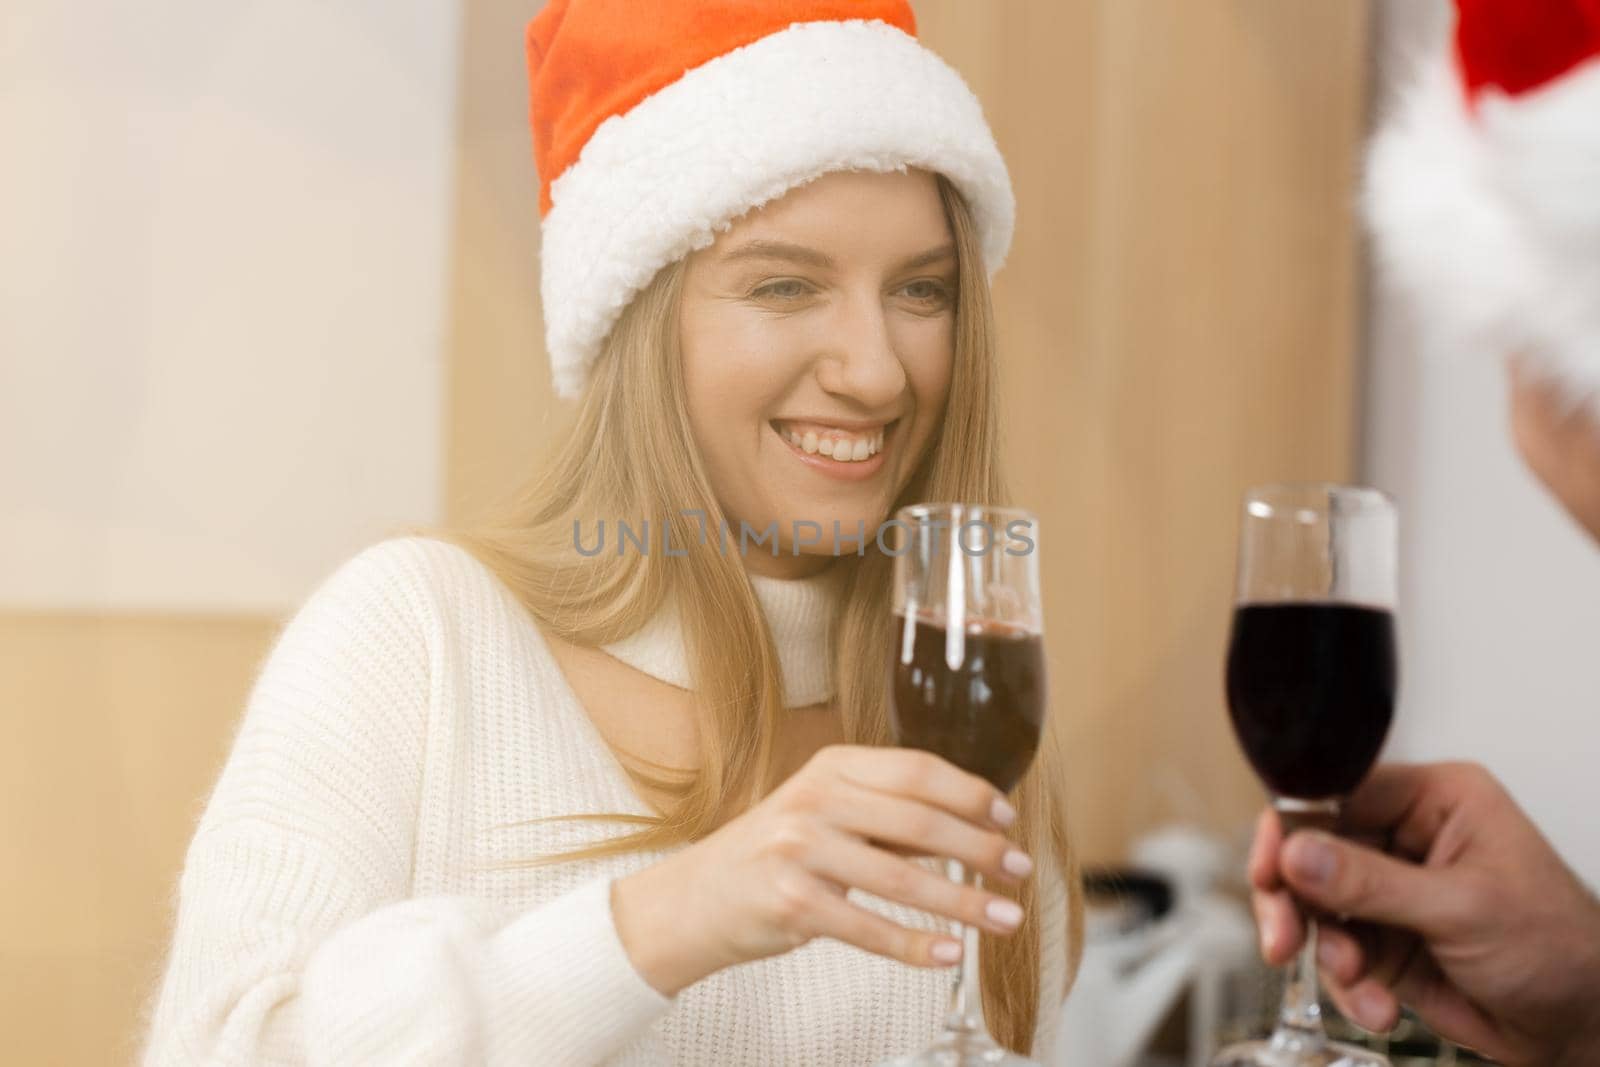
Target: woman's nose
[{"x": 861, "y": 361}]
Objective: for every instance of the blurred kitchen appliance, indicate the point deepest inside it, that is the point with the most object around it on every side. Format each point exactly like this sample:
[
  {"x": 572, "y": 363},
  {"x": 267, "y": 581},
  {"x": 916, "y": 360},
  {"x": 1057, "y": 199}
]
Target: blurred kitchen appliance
[{"x": 1153, "y": 932}]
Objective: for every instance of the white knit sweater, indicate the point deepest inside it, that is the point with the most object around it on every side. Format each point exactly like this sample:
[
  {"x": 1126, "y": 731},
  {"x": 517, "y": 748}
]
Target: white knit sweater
[{"x": 340, "y": 902}]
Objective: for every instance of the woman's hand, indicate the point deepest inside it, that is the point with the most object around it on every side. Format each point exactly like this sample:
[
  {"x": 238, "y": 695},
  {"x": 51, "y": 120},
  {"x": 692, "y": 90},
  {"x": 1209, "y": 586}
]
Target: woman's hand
[{"x": 776, "y": 877}]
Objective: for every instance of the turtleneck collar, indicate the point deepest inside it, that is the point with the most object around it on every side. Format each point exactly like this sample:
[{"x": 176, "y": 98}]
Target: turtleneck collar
[{"x": 799, "y": 611}]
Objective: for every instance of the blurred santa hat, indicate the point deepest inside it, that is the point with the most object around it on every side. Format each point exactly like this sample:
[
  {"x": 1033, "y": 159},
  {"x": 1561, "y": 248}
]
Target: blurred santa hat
[{"x": 1483, "y": 188}]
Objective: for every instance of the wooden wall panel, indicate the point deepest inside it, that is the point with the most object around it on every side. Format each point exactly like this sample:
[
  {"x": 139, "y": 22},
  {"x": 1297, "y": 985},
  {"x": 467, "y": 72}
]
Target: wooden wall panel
[
  {"x": 114, "y": 729},
  {"x": 1179, "y": 321}
]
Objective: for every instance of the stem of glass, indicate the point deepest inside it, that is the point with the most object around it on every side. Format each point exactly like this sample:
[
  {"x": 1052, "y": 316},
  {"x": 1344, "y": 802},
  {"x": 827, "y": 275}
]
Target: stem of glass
[
  {"x": 1302, "y": 1005},
  {"x": 966, "y": 999},
  {"x": 1300, "y": 1017}
]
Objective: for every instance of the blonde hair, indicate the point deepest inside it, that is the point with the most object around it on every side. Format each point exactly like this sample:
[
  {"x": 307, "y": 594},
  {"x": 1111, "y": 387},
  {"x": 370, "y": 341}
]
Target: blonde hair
[{"x": 630, "y": 454}]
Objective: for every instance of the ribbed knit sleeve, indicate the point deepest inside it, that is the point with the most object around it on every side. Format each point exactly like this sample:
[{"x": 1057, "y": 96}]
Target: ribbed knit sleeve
[{"x": 297, "y": 939}]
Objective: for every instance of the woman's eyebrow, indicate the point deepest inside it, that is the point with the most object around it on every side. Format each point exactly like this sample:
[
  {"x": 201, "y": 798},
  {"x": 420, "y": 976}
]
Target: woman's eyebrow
[
  {"x": 768, "y": 249},
  {"x": 764, "y": 249},
  {"x": 932, "y": 255}
]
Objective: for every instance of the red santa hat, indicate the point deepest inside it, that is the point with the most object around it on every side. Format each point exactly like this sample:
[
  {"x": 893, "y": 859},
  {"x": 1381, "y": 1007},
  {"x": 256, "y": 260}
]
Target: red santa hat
[
  {"x": 1483, "y": 187},
  {"x": 656, "y": 125}
]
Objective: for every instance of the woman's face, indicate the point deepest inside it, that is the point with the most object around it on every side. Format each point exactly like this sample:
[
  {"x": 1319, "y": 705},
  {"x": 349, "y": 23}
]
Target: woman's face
[{"x": 818, "y": 337}]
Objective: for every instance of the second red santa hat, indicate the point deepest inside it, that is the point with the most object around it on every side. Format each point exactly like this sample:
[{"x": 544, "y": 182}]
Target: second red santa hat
[{"x": 1483, "y": 188}]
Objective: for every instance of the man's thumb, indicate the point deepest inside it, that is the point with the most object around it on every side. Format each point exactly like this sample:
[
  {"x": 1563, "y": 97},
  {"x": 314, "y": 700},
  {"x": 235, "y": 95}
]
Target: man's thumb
[{"x": 1352, "y": 881}]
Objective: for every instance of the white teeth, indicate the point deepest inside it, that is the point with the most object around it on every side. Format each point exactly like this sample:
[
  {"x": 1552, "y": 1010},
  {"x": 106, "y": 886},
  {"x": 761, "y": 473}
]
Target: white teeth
[{"x": 839, "y": 449}]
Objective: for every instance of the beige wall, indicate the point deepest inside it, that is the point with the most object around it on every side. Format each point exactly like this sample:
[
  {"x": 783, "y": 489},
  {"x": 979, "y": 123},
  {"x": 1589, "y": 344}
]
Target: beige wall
[
  {"x": 502, "y": 408},
  {"x": 1178, "y": 318},
  {"x": 228, "y": 313}
]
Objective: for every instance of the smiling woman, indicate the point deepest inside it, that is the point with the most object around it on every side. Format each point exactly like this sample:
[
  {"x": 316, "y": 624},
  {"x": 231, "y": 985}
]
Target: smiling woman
[
  {"x": 414, "y": 850},
  {"x": 818, "y": 356}
]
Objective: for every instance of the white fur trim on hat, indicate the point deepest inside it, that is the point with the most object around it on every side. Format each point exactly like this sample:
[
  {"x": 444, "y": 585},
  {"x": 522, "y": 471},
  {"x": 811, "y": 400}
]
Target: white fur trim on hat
[
  {"x": 1490, "y": 222},
  {"x": 656, "y": 183}
]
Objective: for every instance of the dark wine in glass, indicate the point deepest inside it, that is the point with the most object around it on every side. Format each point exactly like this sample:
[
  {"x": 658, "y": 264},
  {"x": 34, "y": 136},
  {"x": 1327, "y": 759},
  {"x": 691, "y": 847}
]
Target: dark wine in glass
[
  {"x": 967, "y": 683},
  {"x": 983, "y": 715},
  {"x": 1311, "y": 678},
  {"x": 1311, "y": 691}
]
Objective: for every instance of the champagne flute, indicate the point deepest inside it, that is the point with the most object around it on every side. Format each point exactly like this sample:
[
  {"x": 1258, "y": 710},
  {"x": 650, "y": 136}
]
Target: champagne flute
[
  {"x": 968, "y": 684},
  {"x": 1311, "y": 678}
]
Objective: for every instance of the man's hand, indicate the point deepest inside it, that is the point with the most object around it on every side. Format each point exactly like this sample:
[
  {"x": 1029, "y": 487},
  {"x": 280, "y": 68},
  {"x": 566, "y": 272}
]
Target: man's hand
[{"x": 1465, "y": 914}]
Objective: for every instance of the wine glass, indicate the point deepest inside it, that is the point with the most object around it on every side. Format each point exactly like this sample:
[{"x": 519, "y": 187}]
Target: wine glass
[
  {"x": 1311, "y": 678},
  {"x": 968, "y": 684}
]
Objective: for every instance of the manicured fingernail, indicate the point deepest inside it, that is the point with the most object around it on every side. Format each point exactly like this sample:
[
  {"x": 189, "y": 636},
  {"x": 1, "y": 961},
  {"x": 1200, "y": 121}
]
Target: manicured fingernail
[
  {"x": 1268, "y": 942},
  {"x": 1002, "y": 813},
  {"x": 1004, "y": 912},
  {"x": 1311, "y": 858},
  {"x": 1327, "y": 955},
  {"x": 1017, "y": 863},
  {"x": 946, "y": 951}
]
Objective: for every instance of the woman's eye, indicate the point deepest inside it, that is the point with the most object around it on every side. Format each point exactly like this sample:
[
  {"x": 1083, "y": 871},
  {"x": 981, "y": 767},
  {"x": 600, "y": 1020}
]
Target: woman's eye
[
  {"x": 785, "y": 289},
  {"x": 928, "y": 291}
]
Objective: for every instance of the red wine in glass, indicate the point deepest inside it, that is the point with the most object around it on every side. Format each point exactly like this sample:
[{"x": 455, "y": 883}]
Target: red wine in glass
[
  {"x": 1311, "y": 677},
  {"x": 967, "y": 683},
  {"x": 1311, "y": 690},
  {"x": 983, "y": 715}
]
